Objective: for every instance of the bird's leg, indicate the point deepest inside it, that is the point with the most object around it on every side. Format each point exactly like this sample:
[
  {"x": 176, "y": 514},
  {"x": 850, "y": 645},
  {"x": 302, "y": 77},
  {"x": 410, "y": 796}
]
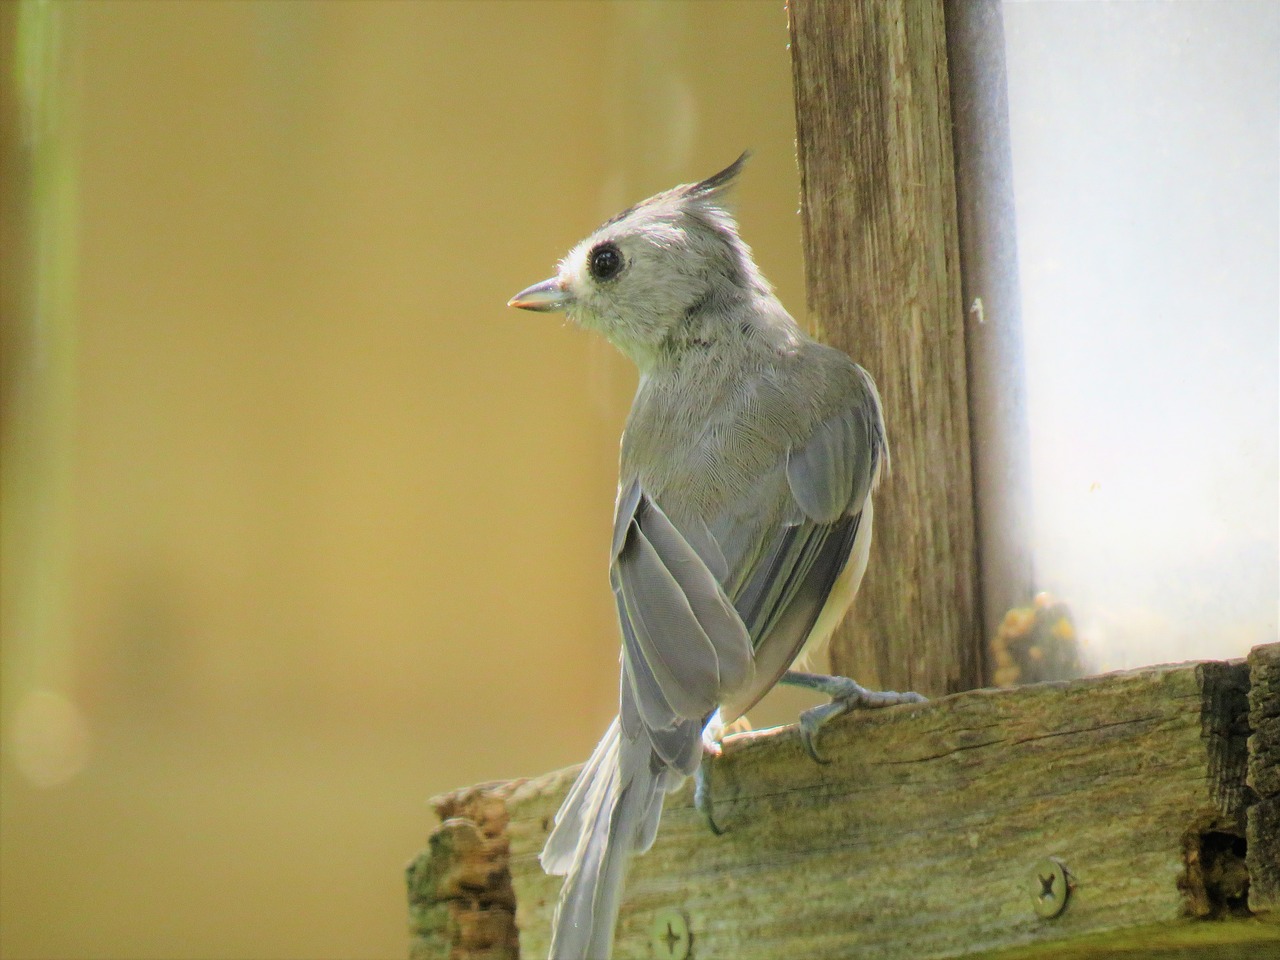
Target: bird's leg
[
  {"x": 712, "y": 734},
  {"x": 845, "y": 695}
]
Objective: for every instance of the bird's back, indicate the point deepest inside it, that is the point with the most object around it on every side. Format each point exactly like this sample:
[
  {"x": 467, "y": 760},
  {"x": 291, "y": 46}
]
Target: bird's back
[
  {"x": 730, "y": 408},
  {"x": 760, "y": 397}
]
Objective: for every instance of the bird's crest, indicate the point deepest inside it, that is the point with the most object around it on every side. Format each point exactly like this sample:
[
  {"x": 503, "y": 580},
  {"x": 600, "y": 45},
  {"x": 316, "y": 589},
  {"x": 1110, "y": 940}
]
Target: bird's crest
[
  {"x": 717, "y": 183},
  {"x": 707, "y": 191}
]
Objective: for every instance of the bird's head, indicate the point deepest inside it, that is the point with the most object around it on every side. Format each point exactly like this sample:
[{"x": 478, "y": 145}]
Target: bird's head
[{"x": 644, "y": 275}]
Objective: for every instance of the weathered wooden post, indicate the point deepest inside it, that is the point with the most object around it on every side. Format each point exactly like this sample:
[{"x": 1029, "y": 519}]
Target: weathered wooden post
[{"x": 873, "y": 128}]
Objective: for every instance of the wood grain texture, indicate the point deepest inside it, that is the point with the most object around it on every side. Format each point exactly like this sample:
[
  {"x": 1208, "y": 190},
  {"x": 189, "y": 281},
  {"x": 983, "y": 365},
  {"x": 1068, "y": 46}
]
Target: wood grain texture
[
  {"x": 920, "y": 838},
  {"x": 1263, "y": 828},
  {"x": 873, "y": 129}
]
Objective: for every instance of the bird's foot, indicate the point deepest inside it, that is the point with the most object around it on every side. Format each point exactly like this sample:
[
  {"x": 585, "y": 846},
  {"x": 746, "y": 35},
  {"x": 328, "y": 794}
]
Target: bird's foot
[
  {"x": 712, "y": 734},
  {"x": 845, "y": 695},
  {"x": 702, "y": 796}
]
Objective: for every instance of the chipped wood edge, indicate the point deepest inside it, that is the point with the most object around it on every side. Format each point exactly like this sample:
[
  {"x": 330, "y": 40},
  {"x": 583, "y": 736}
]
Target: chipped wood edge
[{"x": 1262, "y": 829}]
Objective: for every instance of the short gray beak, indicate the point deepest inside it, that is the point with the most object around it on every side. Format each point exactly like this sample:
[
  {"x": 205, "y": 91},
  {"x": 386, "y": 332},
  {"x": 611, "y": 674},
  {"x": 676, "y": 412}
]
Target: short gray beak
[{"x": 543, "y": 297}]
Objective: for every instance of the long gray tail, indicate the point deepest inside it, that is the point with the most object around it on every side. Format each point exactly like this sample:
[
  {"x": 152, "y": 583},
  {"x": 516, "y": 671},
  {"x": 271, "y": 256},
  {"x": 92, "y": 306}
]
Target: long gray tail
[{"x": 612, "y": 810}]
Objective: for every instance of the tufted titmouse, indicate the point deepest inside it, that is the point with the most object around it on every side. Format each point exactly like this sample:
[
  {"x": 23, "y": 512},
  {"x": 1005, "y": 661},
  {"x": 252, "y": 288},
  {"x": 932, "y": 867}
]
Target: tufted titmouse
[{"x": 742, "y": 525}]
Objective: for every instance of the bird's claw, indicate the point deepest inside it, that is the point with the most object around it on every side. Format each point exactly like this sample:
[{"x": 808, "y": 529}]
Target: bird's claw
[
  {"x": 811, "y": 723},
  {"x": 711, "y": 750},
  {"x": 702, "y": 796},
  {"x": 846, "y": 695}
]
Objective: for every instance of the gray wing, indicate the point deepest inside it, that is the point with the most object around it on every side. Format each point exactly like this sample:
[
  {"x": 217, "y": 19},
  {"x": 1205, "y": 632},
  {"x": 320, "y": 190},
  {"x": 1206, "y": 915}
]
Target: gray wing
[
  {"x": 683, "y": 643},
  {"x": 785, "y": 583},
  {"x": 718, "y": 609}
]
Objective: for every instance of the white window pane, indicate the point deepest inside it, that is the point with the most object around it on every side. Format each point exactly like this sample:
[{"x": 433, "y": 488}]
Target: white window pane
[{"x": 1146, "y": 153}]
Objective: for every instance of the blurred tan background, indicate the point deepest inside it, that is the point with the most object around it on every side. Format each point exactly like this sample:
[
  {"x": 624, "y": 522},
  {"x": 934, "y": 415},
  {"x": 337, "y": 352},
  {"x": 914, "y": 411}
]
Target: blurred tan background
[{"x": 301, "y": 524}]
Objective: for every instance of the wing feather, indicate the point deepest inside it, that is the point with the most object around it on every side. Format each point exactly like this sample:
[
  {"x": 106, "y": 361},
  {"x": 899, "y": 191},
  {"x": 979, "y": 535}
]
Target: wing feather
[
  {"x": 712, "y": 609},
  {"x": 668, "y": 637},
  {"x": 831, "y": 474}
]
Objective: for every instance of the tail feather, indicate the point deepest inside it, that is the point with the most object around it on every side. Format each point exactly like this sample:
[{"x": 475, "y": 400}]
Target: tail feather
[
  {"x": 560, "y": 850},
  {"x": 612, "y": 810},
  {"x": 652, "y": 816}
]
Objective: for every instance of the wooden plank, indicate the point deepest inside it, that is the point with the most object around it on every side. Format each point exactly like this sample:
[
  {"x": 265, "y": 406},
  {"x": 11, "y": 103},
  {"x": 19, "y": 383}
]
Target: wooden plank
[
  {"x": 922, "y": 836},
  {"x": 992, "y": 301},
  {"x": 1263, "y": 830},
  {"x": 873, "y": 134}
]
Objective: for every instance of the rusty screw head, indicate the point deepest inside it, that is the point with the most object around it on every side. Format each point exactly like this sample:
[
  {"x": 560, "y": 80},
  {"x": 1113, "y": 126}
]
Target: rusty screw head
[
  {"x": 670, "y": 935},
  {"x": 1050, "y": 887}
]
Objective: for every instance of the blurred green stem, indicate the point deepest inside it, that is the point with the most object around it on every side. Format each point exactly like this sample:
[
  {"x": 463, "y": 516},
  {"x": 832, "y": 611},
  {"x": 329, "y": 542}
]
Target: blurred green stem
[{"x": 39, "y": 324}]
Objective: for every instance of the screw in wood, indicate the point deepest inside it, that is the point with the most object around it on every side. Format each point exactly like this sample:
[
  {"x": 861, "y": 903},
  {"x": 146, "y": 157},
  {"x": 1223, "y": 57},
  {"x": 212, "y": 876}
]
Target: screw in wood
[
  {"x": 1050, "y": 887},
  {"x": 670, "y": 935}
]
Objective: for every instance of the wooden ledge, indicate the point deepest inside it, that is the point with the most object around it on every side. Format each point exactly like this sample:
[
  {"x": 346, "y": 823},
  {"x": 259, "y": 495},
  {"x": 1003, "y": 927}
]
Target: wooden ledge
[{"x": 926, "y": 836}]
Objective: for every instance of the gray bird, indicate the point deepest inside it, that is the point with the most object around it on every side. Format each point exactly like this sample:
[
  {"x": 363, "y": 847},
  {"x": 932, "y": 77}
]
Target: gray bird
[{"x": 742, "y": 524}]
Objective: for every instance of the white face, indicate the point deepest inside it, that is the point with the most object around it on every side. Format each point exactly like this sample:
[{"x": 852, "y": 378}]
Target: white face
[
  {"x": 634, "y": 279},
  {"x": 646, "y": 271}
]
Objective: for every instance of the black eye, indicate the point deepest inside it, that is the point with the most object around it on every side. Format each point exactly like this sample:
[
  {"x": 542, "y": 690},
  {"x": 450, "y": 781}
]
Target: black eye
[{"x": 605, "y": 261}]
